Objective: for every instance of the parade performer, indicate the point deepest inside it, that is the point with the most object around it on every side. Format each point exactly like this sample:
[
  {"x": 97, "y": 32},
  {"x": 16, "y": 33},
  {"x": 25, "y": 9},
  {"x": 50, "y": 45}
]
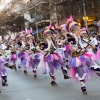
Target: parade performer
[
  {"x": 24, "y": 53},
  {"x": 53, "y": 59},
  {"x": 63, "y": 51},
  {"x": 28, "y": 55},
  {"x": 35, "y": 55},
  {"x": 50, "y": 56},
  {"x": 12, "y": 57},
  {"x": 68, "y": 37},
  {"x": 93, "y": 49},
  {"x": 78, "y": 69},
  {"x": 3, "y": 71}
]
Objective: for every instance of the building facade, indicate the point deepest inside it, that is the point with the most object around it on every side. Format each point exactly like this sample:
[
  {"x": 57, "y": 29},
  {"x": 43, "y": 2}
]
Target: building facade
[
  {"x": 42, "y": 11},
  {"x": 61, "y": 9},
  {"x": 37, "y": 11}
]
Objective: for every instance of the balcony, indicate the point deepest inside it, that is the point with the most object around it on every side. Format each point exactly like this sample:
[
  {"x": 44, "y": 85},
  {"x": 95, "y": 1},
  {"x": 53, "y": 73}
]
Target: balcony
[{"x": 36, "y": 3}]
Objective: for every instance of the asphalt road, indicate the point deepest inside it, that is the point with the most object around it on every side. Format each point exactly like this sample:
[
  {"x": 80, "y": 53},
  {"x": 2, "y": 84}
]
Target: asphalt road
[{"x": 25, "y": 87}]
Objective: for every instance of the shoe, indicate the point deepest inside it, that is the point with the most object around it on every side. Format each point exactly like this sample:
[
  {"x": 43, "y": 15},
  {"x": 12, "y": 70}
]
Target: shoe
[
  {"x": 35, "y": 76},
  {"x": 10, "y": 67},
  {"x": 67, "y": 67},
  {"x": 66, "y": 77},
  {"x": 84, "y": 90},
  {"x": 4, "y": 80},
  {"x": 25, "y": 71},
  {"x": 15, "y": 68},
  {"x": 65, "y": 73},
  {"x": 4, "y": 84},
  {"x": 6, "y": 65},
  {"x": 19, "y": 67},
  {"x": 53, "y": 83}
]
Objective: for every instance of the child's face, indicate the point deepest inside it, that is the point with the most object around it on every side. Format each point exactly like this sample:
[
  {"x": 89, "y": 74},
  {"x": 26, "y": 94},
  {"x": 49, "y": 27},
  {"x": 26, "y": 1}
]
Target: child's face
[
  {"x": 48, "y": 37},
  {"x": 77, "y": 31}
]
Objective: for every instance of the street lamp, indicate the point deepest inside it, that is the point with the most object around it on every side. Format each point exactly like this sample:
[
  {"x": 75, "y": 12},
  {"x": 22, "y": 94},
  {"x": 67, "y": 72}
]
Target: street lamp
[
  {"x": 36, "y": 22},
  {"x": 86, "y": 23}
]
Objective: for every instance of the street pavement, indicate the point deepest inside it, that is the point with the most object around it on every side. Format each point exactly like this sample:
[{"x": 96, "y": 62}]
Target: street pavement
[{"x": 25, "y": 87}]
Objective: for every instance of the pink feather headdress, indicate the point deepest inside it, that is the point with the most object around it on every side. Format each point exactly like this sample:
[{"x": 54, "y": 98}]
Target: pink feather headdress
[
  {"x": 71, "y": 24},
  {"x": 70, "y": 19},
  {"x": 83, "y": 30}
]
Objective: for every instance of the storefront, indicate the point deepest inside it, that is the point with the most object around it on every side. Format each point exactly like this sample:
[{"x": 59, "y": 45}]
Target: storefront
[{"x": 91, "y": 20}]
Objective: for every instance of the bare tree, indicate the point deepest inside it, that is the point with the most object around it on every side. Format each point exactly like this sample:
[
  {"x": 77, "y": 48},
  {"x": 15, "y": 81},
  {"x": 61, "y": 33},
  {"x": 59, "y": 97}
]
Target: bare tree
[{"x": 11, "y": 17}]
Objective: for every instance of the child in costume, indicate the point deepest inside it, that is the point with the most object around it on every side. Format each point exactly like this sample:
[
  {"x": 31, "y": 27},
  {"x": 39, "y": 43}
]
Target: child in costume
[
  {"x": 79, "y": 70},
  {"x": 52, "y": 58}
]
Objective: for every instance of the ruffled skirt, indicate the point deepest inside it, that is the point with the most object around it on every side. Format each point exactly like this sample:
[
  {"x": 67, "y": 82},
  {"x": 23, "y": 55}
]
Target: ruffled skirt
[
  {"x": 3, "y": 70},
  {"x": 53, "y": 58},
  {"x": 81, "y": 65},
  {"x": 12, "y": 59}
]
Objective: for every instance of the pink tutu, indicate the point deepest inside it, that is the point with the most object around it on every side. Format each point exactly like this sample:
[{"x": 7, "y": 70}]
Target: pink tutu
[
  {"x": 98, "y": 54},
  {"x": 13, "y": 58},
  {"x": 2, "y": 67},
  {"x": 52, "y": 57},
  {"x": 67, "y": 47}
]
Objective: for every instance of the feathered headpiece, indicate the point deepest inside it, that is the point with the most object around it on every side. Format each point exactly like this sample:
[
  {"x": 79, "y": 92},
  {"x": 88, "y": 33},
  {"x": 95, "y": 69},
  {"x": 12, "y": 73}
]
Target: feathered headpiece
[
  {"x": 63, "y": 27},
  {"x": 28, "y": 35},
  {"x": 83, "y": 30},
  {"x": 49, "y": 29},
  {"x": 21, "y": 35},
  {"x": 71, "y": 24},
  {"x": 46, "y": 31},
  {"x": 29, "y": 31}
]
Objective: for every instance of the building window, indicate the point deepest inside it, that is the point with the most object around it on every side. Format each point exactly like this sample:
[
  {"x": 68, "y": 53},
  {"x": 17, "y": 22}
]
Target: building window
[
  {"x": 92, "y": 5},
  {"x": 32, "y": 13}
]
